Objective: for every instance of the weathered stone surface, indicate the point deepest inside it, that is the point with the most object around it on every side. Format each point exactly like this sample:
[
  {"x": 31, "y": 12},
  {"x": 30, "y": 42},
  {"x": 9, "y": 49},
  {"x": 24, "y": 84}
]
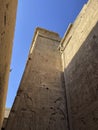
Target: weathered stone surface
[
  {"x": 80, "y": 63},
  {"x": 7, "y": 111},
  {"x": 6, "y": 115},
  {"x": 7, "y": 24},
  {"x": 40, "y": 101}
]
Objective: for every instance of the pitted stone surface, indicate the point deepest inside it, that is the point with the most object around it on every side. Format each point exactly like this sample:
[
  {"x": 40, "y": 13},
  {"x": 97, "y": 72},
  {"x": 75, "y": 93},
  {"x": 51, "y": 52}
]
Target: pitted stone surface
[
  {"x": 7, "y": 24},
  {"x": 40, "y": 101},
  {"x": 80, "y": 63}
]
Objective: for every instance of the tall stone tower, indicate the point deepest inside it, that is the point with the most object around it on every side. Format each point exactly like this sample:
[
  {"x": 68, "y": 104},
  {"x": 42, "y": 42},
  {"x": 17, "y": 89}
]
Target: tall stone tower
[
  {"x": 7, "y": 24},
  {"x": 40, "y": 102}
]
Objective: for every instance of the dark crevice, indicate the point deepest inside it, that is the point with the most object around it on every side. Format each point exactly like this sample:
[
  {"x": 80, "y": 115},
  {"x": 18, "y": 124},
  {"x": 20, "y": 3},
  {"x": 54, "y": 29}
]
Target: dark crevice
[
  {"x": 5, "y": 19},
  {"x": 66, "y": 101},
  {"x": 2, "y": 33},
  {"x": 7, "y": 5}
]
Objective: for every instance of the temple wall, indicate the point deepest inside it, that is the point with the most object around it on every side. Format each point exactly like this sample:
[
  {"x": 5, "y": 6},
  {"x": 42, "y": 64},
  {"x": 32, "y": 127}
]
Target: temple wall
[
  {"x": 40, "y": 102},
  {"x": 7, "y": 25},
  {"x": 79, "y": 49}
]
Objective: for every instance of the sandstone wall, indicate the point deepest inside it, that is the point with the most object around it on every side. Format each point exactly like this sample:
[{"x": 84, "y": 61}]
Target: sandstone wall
[
  {"x": 6, "y": 115},
  {"x": 79, "y": 50},
  {"x": 7, "y": 24},
  {"x": 40, "y": 101}
]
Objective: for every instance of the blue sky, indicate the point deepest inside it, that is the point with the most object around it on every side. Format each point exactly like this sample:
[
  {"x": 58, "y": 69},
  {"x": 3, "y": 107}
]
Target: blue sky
[{"x": 54, "y": 15}]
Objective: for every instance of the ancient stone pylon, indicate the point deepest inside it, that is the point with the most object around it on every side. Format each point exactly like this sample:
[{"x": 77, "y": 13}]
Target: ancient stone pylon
[
  {"x": 7, "y": 24},
  {"x": 40, "y": 101}
]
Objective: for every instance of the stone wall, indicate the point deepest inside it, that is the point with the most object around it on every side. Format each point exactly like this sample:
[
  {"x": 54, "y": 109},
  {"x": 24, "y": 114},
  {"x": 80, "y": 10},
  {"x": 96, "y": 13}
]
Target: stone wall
[
  {"x": 7, "y": 24},
  {"x": 55, "y": 95},
  {"x": 6, "y": 115},
  {"x": 40, "y": 102},
  {"x": 79, "y": 49}
]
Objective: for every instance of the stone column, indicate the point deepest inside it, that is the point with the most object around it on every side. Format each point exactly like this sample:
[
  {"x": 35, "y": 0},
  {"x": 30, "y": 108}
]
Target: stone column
[{"x": 7, "y": 25}]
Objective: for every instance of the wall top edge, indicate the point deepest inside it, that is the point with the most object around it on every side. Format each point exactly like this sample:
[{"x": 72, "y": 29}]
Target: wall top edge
[
  {"x": 71, "y": 25},
  {"x": 65, "y": 35},
  {"x": 46, "y": 32}
]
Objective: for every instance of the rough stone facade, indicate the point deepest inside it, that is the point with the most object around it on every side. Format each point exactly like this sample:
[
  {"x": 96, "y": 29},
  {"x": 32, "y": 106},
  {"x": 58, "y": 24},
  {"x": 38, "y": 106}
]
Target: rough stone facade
[
  {"x": 79, "y": 49},
  {"x": 6, "y": 115},
  {"x": 59, "y": 87},
  {"x": 7, "y": 24},
  {"x": 40, "y": 102}
]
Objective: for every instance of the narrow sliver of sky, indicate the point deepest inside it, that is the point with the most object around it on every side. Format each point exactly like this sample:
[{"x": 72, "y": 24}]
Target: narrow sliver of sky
[{"x": 54, "y": 15}]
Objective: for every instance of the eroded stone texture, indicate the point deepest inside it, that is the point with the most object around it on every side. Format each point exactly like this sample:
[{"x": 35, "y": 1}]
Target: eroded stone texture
[
  {"x": 6, "y": 114},
  {"x": 40, "y": 100},
  {"x": 80, "y": 60},
  {"x": 7, "y": 24}
]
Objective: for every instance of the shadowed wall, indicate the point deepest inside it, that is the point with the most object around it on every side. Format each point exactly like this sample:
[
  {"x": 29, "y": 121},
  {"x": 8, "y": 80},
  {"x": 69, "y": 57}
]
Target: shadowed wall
[
  {"x": 79, "y": 50},
  {"x": 43, "y": 102}
]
